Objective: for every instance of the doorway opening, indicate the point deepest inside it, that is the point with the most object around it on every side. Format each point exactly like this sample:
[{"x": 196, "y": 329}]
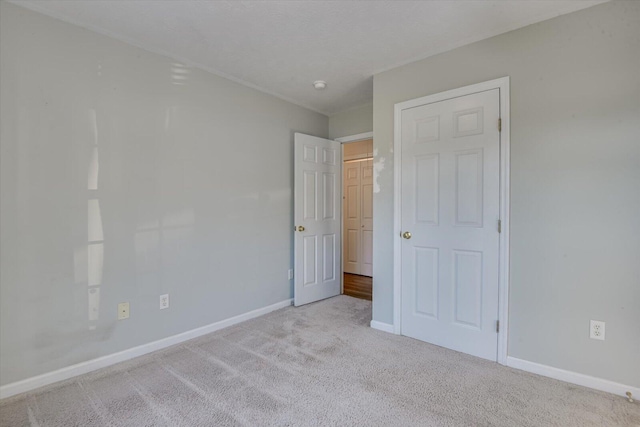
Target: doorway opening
[
  {"x": 319, "y": 221},
  {"x": 357, "y": 216}
]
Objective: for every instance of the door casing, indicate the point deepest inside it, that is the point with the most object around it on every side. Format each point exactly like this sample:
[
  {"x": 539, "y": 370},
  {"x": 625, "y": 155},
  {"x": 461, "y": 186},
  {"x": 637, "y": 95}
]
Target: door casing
[{"x": 503, "y": 275}]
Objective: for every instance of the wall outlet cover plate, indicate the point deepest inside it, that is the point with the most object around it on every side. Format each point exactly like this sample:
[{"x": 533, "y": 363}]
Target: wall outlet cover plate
[
  {"x": 164, "y": 301},
  {"x": 123, "y": 310},
  {"x": 596, "y": 330}
]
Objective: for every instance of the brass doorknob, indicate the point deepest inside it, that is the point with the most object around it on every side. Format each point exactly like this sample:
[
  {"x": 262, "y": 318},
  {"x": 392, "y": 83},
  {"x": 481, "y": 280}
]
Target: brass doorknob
[
  {"x": 300, "y": 228},
  {"x": 406, "y": 235}
]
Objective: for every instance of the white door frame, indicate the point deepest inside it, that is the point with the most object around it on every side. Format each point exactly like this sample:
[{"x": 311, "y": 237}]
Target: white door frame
[
  {"x": 345, "y": 140},
  {"x": 355, "y": 138},
  {"x": 503, "y": 275}
]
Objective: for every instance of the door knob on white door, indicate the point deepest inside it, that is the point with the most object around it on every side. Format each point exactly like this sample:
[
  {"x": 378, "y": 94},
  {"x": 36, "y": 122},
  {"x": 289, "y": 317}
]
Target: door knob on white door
[
  {"x": 301, "y": 228},
  {"x": 406, "y": 235}
]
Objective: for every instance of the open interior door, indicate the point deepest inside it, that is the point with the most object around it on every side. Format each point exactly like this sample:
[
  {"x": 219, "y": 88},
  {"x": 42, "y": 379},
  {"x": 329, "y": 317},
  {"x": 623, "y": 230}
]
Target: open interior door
[{"x": 317, "y": 242}]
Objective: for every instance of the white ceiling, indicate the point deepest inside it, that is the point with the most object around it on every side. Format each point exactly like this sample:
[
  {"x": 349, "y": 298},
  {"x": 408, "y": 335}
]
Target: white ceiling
[{"x": 281, "y": 47}]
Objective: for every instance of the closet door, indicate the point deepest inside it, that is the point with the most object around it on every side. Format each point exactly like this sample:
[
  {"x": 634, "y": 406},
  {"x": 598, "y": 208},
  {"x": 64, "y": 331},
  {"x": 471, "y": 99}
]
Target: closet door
[
  {"x": 450, "y": 207},
  {"x": 366, "y": 218},
  {"x": 358, "y": 217},
  {"x": 351, "y": 214}
]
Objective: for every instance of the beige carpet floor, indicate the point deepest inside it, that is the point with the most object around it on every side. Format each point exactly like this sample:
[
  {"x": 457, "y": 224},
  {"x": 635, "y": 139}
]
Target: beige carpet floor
[{"x": 317, "y": 365}]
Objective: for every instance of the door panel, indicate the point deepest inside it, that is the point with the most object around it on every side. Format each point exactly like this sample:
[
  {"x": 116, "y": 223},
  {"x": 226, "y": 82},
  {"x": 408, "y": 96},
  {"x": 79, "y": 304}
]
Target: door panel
[
  {"x": 309, "y": 195},
  {"x": 427, "y": 200},
  {"x": 329, "y": 257},
  {"x": 426, "y": 278},
  {"x": 467, "y": 281},
  {"x": 450, "y": 204},
  {"x": 309, "y": 265},
  {"x": 366, "y": 220},
  {"x": 317, "y": 254},
  {"x": 367, "y": 252},
  {"x": 352, "y": 189},
  {"x": 468, "y": 188},
  {"x": 329, "y": 204}
]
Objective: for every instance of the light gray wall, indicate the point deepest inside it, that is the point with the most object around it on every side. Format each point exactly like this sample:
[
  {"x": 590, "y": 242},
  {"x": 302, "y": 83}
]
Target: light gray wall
[
  {"x": 193, "y": 198},
  {"x": 575, "y": 182},
  {"x": 352, "y": 122}
]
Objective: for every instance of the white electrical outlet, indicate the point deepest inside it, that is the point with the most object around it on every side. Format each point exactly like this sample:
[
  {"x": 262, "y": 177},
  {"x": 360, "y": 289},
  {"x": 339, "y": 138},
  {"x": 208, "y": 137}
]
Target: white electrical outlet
[
  {"x": 123, "y": 310},
  {"x": 290, "y": 273},
  {"x": 596, "y": 330},
  {"x": 164, "y": 301}
]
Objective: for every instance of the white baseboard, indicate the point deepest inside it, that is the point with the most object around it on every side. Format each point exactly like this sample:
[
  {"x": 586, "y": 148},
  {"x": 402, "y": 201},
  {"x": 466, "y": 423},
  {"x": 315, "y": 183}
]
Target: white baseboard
[
  {"x": 573, "y": 377},
  {"x": 111, "y": 359},
  {"x": 381, "y": 326}
]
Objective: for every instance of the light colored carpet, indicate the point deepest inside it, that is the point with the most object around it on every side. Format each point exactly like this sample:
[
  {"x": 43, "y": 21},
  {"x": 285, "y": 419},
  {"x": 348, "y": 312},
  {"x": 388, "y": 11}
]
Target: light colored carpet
[{"x": 318, "y": 365}]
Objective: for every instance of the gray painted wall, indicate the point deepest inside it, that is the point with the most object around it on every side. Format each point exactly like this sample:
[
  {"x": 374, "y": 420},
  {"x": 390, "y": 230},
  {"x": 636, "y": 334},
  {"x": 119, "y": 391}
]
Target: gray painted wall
[
  {"x": 575, "y": 182},
  {"x": 352, "y": 122},
  {"x": 126, "y": 175}
]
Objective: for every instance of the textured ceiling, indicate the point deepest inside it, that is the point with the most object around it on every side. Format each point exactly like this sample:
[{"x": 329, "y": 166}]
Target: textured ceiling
[{"x": 281, "y": 47}]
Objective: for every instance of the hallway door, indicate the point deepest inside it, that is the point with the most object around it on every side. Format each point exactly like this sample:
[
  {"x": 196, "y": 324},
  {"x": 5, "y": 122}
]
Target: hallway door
[{"x": 317, "y": 236}]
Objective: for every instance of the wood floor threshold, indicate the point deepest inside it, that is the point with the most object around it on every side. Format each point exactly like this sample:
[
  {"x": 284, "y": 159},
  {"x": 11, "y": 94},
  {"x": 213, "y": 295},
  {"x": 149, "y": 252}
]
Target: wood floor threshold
[{"x": 358, "y": 286}]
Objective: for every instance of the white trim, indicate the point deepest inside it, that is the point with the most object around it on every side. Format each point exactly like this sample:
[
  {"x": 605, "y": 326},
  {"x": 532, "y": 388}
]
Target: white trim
[
  {"x": 397, "y": 223},
  {"x": 381, "y": 326},
  {"x": 354, "y": 138},
  {"x": 573, "y": 377},
  {"x": 505, "y": 215},
  {"x": 503, "y": 275},
  {"x": 111, "y": 359}
]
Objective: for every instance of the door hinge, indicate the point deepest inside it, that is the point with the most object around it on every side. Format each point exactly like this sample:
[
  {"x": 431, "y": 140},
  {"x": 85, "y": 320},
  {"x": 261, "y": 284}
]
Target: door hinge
[
  {"x": 499, "y": 226},
  {"x": 497, "y": 326},
  {"x": 499, "y": 125}
]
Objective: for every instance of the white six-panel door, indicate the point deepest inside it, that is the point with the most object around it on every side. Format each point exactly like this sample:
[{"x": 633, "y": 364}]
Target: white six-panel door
[
  {"x": 317, "y": 242},
  {"x": 358, "y": 217},
  {"x": 450, "y": 205}
]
